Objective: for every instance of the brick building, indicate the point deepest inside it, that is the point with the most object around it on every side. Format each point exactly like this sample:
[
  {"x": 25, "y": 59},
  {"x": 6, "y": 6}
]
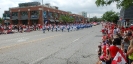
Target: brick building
[{"x": 31, "y": 13}]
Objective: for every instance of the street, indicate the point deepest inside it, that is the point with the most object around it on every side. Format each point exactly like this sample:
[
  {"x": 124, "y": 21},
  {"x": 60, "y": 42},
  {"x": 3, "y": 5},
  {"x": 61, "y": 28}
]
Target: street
[{"x": 74, "y": 47}]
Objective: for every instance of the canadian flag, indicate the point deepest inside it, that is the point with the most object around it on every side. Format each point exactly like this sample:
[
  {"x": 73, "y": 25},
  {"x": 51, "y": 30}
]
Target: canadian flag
[{"x": 119, "y": 58}]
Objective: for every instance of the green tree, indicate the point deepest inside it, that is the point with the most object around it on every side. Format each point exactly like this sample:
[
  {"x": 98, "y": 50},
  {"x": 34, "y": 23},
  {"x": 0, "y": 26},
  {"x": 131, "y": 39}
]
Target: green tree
[
  {"x": 66, "y": 18},
  {"x": 0, "y": 20},
  {"x": 95, "y": 19},
  {"x": 110, "y": 16},
  {"x": 119, "y": 3},
  {"x": 71, "y": 19},
  {"x": 99, "y": 19}
]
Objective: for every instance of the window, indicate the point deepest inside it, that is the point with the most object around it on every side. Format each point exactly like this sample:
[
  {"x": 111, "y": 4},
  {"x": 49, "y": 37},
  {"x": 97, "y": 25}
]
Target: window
[
  {"x": 24, "y": 13},
  {"x": 45, "y": 14},
  {"x": 50, "y": 15},
  {"x": 14, "y": 13},
  {"x": 34, "y": 14}
]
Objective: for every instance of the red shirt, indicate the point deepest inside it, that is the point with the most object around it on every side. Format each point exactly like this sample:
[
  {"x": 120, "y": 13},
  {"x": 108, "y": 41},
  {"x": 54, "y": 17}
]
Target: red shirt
[
  {"x": 104, "y": 38},
  {"x": 102, "y": 30},
  {"x": 113, "y": 50},
  {"x": 131, "y": 27},
  {"x": 104, "y": 50}
]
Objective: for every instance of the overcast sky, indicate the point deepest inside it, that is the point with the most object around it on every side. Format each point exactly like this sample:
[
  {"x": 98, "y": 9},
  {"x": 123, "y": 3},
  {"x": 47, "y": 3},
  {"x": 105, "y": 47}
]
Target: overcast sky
[{"x": 75, "y": 6}]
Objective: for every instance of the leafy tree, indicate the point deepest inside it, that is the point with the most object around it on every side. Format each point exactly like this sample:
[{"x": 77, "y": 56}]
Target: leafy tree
[
  {"x": 0, "y": 20},
  {"x": 119, "y": 3},
  {"x": 95, "y": 19},
  {"x": 91, "y": 19},
  {"x": 66, "y": 19},
  {"x": 71, "y": 19},
  {"x": 99, "y": 19},
  {"x": 110, "y": 16}
]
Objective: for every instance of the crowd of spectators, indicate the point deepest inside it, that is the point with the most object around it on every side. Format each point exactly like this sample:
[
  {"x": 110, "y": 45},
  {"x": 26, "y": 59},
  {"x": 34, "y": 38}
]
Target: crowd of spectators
[{"x": 115, "y": 39}]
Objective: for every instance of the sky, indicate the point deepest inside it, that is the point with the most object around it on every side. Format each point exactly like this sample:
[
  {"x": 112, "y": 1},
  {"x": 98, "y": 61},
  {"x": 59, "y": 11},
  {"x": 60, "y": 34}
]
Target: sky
[{"x": 75, "y": 6}]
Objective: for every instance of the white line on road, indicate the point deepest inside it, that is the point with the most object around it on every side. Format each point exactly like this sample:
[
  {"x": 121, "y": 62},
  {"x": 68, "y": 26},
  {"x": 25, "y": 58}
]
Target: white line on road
[
  {"x": 32, "y": 41},
  {"x": 76, "y": 40},
  {"x": 36, "y": 60},
  {"x": 21, "y": 40}
]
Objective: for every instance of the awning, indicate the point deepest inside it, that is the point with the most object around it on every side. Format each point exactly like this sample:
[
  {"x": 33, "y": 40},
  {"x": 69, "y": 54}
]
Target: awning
[
  {"x": 123, "y": 20},
  {"x": 51, "y": 20},
  {"x": 56, "y": 20}
]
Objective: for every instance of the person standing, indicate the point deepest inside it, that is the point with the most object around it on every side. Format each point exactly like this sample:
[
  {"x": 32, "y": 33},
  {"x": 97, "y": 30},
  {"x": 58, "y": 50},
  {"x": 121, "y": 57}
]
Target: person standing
[
  {"x": 130, "y": 52},
  {"x": 62, "y": 28},
  {"x": 52, "y": 28},
  {"x": 48, "y": 28},
  {"x": 68, "y": 28},
  {"x": 18, "y": 28},
  {"x": 43, "y": 28},
  {"x": 56, "y": 28},
  {"x": 113, "y": 49}
]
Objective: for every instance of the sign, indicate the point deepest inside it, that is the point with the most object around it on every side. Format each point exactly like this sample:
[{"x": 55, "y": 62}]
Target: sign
[
  {"x": 5, "y": 18},
  {"x": 34, "y": 16}
]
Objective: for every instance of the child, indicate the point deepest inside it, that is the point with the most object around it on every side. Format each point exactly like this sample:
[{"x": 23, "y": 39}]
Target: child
[{"x": 99, "y": 50}]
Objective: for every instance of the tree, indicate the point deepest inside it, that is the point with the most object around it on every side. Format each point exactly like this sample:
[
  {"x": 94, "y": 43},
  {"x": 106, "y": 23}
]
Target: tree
[
  {"x": 71, "y": 19},
  {"x": 110, "y": 16},
  {"x": 119, "y": 3},
  {"x": 0, "y": 20},
  {"x": 66, "y": 19},
  {"x": 95, "y": 19}
]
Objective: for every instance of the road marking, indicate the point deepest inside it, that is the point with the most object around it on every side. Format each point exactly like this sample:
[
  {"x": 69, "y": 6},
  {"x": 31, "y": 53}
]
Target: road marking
[
  {"x": 28, "y": 42},
  {"x": 37, "y": 60},
  {"x": 76, "y": 40},
  {"x": 21, "y": 40}
]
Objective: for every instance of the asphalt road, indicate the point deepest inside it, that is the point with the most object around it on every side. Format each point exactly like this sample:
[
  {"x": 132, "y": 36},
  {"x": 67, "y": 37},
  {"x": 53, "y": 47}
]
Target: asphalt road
[{"x": 74, "y": 47}]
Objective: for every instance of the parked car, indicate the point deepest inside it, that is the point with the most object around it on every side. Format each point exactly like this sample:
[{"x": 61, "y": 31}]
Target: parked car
[{"x": 94, "y": 24}]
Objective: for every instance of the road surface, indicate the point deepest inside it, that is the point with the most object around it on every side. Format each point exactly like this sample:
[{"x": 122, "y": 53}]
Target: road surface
[{"x": 74, "y": 47}]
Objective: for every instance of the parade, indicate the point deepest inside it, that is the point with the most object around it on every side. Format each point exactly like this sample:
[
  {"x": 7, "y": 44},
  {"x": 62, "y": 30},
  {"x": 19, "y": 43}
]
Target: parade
[
  {"x": 66, "y": 32},
  {"x": 51, "y": 27}
]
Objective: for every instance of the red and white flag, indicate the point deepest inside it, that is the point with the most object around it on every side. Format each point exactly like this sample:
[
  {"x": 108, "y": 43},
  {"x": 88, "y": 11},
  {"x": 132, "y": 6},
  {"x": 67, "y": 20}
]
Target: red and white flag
[{"x": 119, "y": 58}]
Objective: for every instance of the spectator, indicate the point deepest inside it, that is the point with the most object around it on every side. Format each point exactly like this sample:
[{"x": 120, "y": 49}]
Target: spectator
[
  {"x": 130, "y": 52},
  {"x": 113, "y": 49},
  {"x": 118, "y": 41},
  {"x": 125, "y": 44}
]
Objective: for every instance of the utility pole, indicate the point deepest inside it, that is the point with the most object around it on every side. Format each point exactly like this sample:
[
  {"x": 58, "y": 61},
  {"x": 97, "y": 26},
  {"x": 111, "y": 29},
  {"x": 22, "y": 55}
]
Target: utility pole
[
  {"x": 89, "y": 18},
  {"x": 43, "y": 24},
  {"x": 42, "y": 14}
]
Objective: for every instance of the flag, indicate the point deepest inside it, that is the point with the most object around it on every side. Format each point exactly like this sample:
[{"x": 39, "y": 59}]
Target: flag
[
  {"x": 46, "y": 22},
  {"x": 119, "y": 58}
]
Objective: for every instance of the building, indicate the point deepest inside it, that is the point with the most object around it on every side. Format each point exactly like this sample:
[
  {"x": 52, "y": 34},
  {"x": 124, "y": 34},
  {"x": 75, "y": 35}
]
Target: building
[
  {"x": 84, "y": 14},
  {"x": 126, "y": 16},
  {"x": 31, "y": 13},
  {"x": 6, "y": 17}
]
